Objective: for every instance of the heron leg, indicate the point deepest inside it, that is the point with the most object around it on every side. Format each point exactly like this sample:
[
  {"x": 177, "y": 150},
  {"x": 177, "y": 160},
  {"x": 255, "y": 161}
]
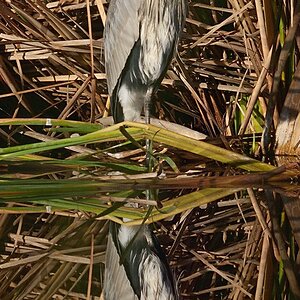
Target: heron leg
[{"x": 147, "y": 104}]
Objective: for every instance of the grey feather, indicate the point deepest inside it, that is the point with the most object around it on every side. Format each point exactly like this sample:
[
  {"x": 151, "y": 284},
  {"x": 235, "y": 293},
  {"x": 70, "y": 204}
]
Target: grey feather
[
  {"x": 116, "y": 284},
  {"x": 122, "y": 28}
]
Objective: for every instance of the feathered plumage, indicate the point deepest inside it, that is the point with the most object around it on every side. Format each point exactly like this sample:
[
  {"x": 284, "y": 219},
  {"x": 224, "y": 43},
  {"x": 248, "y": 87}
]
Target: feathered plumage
[
  {"x": 136, "y": 267},
  {"x": 141, "y": 37}
]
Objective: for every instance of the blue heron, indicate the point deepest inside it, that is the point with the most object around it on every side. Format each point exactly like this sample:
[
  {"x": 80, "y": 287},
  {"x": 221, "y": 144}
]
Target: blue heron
[
  {"x": 141, "y": 38},
  {"x": 136, "y": 268}
]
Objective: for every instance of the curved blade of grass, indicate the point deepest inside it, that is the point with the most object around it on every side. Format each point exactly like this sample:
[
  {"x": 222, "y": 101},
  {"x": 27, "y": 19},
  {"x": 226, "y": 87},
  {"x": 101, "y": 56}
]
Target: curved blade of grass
[
  {"x": 47, "y": 189},
  {"x": 68, "y": 124},
  {"x": 205, "y": 149},
  {"x": 170, "y": 208},
  {"x": 186, "y": 202},
  {"x": 104, "y": 135},
  {"x": 138, "y": 131},
  {"x": 69, "y": 164}
]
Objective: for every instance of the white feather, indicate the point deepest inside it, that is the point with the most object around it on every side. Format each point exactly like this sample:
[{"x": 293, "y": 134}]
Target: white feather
[
  {"x": 131, "y": 108},
  {"x": 153, "y": 284}
]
